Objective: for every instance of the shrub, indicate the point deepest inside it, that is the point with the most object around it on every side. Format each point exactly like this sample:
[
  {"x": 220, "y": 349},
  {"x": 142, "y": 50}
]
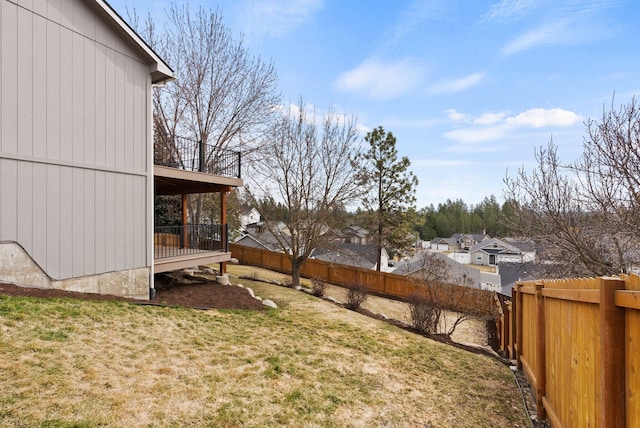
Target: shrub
[
  {"x": 356, "y": 296},
  {"x": 424, "y": 312},
  {"x": 317, "y": 287}
]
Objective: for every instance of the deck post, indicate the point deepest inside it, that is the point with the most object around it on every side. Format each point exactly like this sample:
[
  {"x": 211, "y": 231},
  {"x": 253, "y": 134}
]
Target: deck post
[{"x": 223, "y": 229}]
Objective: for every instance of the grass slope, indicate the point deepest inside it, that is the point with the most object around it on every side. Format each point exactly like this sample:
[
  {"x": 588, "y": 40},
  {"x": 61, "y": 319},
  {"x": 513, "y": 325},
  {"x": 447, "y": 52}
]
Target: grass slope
[{"x": 309, "y": 363}]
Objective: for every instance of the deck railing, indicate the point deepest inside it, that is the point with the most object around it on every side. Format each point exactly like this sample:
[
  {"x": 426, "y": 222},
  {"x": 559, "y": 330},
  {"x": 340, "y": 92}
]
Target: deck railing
[
  {"x": 191, "y": 155},
  {"x": 173, "y": 241}
]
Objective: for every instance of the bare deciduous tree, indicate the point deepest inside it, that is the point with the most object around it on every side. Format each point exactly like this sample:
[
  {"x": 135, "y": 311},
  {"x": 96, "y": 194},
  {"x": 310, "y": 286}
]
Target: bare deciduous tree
[
  {"x": 310, "y": 168},
  {"x": 433, "y": 266},
  {"x": 428, "y": 316},
  {"x": 584, "y": 216},
  {"x": 222, "y": 95}
]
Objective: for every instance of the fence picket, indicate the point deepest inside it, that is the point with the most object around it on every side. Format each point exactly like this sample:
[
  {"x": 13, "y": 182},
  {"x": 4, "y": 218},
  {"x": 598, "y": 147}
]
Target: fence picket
[
  {"x": 585, "y": 370},
  {"x": 450, "y": 296}
]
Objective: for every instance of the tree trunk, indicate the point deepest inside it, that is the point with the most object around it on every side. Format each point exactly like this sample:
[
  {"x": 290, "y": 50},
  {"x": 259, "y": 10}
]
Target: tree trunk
[
  {"x": 296, "y": 266},
  {"x": 379, "y": 242}
]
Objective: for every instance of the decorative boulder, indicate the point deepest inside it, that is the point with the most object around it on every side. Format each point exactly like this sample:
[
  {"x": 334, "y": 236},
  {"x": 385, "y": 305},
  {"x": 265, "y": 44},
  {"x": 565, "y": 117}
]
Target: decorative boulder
[{"x": 268, "y": 303}]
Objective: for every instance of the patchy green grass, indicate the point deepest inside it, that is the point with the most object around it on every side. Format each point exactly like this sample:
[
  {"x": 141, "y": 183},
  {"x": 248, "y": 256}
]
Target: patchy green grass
[{"x": 70, "y": 363}]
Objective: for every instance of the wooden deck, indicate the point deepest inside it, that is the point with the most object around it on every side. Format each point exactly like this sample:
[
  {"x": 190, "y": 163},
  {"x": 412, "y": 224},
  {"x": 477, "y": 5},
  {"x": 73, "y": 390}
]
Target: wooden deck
[{"x": 181, "y": 258}]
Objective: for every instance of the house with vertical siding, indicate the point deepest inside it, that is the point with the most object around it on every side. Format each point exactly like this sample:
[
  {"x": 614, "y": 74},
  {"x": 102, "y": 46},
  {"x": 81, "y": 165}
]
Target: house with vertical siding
[
  {"x": 77, "y": 170},
  {"x": 494, "y": 251}
]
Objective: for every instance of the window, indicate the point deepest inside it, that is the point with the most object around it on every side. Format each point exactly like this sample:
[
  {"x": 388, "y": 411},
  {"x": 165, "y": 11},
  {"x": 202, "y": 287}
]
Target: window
[{"x": 478, "y": 257}]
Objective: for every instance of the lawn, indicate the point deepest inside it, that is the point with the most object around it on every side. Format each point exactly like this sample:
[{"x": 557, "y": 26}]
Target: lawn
[{"x": 309, "y": 363}]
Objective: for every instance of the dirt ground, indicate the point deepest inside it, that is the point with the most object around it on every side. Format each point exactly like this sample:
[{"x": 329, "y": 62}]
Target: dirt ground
[{"x": 199, "y": 295}]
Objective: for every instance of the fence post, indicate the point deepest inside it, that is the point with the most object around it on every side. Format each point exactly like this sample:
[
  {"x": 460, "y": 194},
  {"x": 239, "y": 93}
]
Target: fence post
[
  {"x": 514, "y": 298},
  {"x": 541, "y": 369},
  {"x": 612, "y": 355},
  {"x": 518, "y": 326},
  {"x": 512, "y": 340},
  {"x": 506, "y": 328}
]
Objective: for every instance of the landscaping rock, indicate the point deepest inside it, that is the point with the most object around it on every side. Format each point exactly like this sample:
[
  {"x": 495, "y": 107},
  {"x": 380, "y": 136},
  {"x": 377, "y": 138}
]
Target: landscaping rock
[{"x": 270, "y": 304}]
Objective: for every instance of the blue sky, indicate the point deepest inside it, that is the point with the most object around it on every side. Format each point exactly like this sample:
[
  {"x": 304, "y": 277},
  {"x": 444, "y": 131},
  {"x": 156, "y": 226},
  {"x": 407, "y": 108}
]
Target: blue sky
[{"x": 469, "y": 88}]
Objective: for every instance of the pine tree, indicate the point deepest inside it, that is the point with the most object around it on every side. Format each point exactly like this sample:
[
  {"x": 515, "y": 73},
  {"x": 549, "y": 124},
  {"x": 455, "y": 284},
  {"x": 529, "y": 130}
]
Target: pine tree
[{"x": 391, "y": 191}]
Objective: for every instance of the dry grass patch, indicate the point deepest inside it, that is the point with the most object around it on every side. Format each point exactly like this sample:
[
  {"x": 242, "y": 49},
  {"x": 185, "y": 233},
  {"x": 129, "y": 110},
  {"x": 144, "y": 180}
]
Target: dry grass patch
[
  {"x": 309, "y": 363},
  {"x": 472, "y": 331}
]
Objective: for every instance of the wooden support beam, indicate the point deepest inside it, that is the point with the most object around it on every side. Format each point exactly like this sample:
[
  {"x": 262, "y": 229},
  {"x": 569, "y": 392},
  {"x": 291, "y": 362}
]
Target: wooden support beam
[{"x": 223, "y": 231}]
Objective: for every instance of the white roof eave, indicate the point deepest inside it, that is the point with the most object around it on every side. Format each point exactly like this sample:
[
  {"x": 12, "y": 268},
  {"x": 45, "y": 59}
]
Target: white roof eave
[{"x": 159, "y": 70}]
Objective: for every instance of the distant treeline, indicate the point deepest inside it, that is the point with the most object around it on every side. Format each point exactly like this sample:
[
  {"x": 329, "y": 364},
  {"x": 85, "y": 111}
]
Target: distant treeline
[{"x": 457, "y": 217}]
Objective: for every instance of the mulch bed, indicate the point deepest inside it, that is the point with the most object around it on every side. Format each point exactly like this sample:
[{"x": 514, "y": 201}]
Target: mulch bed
[{"x": 203, "y": 294}]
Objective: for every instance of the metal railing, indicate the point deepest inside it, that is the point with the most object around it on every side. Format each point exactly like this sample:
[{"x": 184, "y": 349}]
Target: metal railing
[
  {"x": 191, "y": 155},
  {"x": 173, "y": 241}
]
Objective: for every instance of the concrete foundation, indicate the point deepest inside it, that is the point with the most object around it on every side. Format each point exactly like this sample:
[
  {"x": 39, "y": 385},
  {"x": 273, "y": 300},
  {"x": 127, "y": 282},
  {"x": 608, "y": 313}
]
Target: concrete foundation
[{"x": 17, "y": 267}]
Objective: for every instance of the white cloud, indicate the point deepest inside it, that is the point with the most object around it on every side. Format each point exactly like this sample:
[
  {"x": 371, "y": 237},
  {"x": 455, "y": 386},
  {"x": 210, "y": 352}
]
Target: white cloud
[
  {"x": 457, "y": 85},
  {"x": 489, "y": 118},
  {"x": 382, "y": 81},
  {"x": 278, "y": 17},
  {"x": 456, "y": 116},
  {"x": 539, "y": 118},
  {"x": 545, "y": 35},
  {"x": 566, "y": 25},
  {"x": 413, "y": 16},
  {"x": 496, "y": 127}
]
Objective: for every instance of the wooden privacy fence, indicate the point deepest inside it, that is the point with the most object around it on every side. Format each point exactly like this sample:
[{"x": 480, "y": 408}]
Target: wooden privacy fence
[
  {"x": 578, "y": 343},
  {"x": 450, "y": 296}
]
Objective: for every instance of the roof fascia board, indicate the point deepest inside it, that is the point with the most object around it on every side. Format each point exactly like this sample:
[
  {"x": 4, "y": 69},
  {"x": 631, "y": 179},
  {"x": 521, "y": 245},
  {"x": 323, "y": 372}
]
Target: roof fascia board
[{"x": 160, "y": 70}]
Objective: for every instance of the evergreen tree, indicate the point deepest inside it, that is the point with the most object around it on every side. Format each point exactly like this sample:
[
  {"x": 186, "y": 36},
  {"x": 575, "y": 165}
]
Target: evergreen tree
[{"x": 390, "y": 191}]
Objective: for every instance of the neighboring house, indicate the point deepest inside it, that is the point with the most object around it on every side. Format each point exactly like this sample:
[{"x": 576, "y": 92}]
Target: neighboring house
[
  {"x": 444, "y": 244},
  {"x": 467, "y": 241},
  {"x": 77, "y": 174},
  {"x": 510, "y": 273},
  {"x": 490, "y": 281},
  {"x": 355, "y": 235},
  {"x": 526, "y": 246},
  {"x": 265, "y": 242},
  {"x": 493, "y": 251},
  {"x": 349, "y": 254},
  {"x": 249, "y": 216},
  {"x": 264, "y": 235},
  {"x": 457, "y": 242},
  {"x": 416, "y": 268}
]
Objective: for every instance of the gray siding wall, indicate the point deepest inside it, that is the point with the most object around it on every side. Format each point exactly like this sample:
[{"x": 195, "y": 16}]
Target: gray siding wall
[{"x": 74, "y": 167}]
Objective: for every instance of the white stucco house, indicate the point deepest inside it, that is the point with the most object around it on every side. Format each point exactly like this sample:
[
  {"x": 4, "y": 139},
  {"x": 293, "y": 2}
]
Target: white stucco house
[{"x": 77, "y": 170}]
